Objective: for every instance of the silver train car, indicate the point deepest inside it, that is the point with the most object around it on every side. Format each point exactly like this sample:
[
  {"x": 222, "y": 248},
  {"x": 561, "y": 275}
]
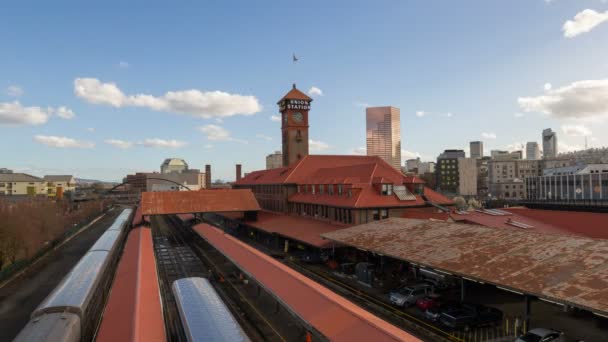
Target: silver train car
[
  {"x": 71, "y": 312},
  {"x": 204, "y": 315}
]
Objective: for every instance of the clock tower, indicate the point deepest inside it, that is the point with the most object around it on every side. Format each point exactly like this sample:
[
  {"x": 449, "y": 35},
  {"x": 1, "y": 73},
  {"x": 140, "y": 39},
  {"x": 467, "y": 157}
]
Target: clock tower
[{"x": 294, "y": 107}]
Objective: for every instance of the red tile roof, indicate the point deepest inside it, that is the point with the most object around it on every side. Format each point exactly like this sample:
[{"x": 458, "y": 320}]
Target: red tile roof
[
  {"x": 426, "y": 214},
  {"x": 295, "y": 94},
  {"x": 593, "y": 225},
  {"x": 334, "y": 316},
  {"x": 362, "y": 172},
  {"x": 182, "y": 202},
  {"x": 298, "y": 228},
  {"x": 134, "y": 311}
]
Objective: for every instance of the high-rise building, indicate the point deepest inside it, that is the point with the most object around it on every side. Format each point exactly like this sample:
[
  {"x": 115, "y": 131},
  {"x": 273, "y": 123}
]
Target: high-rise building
[
  {"x": 294, "y": 107},
  {"x": 506, "y": 155},
  {"x": 412, "y": 165},
  {"x": 467, "y": 176},
  {"x": 532, "y": 150},
  {"x": 171, "y": 165},
  {"x": 446, "y": 171},
  {"x": 476, "y": 148},
  {"x": 383, "y": 134},
  {"x": 549, "y": 143},
  {"x": 274, "y": 160},
  {"x": 426, "y": 167}
]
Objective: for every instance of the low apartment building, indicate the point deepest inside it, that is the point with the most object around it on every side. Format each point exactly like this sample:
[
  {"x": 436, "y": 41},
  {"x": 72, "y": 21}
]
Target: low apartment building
[
  {"x": 22, "y": 184},
  {"x": 506, "y": 177},
  {"x": 57, "y": 185}
]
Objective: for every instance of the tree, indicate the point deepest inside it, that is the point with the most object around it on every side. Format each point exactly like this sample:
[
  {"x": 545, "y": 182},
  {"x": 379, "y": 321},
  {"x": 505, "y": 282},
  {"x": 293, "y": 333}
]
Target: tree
[
  {"x": 474, "y": 204},
  {"x": 460, "y": 202}
]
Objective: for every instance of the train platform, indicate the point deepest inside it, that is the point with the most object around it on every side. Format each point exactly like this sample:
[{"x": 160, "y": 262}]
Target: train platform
[
  {"x": 332, "y": 315},
  {"x": 134, "y": 311}
]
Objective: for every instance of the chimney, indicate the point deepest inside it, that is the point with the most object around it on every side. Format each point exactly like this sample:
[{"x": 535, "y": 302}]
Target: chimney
[
  {"x": 238, "y": 172},
  {"x": 208, "y": 176}
]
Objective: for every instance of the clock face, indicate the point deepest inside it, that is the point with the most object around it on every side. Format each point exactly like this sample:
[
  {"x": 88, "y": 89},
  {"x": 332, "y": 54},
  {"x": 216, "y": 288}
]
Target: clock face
[{"x": 298, "y": 117}]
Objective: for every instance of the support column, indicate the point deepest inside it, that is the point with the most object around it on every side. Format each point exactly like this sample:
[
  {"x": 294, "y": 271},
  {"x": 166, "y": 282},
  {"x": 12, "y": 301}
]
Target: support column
[
  {"x": 462, "y": 289},
  {"x": 527, "y": 311}
]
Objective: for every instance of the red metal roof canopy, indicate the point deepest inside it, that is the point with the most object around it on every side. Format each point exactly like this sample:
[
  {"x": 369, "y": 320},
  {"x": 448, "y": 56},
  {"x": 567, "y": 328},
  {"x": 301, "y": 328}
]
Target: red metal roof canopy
[
  {"x": 334, "y": 316},
  {"x": 134, "y": 311},
  {"x": 202, "y": 201},
  {"x": 298, "y": 228},
  {"x": 562, "y": 268}
]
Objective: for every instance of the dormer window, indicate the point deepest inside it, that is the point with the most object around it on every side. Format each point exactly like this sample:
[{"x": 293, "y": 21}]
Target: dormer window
[
  {"x": 387, "y": 189},
  {"x": 313, "y": 189},
  {"x": 350, "y": 193},
  {"x": 321, "y": 189},
  {"x": 330, "y": 189},
  {"x": 339, "y": 189}
]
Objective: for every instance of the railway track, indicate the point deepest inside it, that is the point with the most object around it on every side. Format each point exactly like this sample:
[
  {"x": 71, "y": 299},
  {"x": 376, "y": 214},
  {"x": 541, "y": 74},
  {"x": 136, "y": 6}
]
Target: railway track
[
  {"x": 419, "y": 327},
  {"x": 182, "y": 253}
]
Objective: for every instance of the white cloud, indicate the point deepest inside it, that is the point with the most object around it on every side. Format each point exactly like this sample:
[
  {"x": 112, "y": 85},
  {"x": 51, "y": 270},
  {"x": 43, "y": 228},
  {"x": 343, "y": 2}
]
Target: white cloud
[
  {"x": 156, "y": 142},
  {"x": 405, "y": 155},
  {"x": 361, "y": 104},
  {"x": 264, "y": 136},
  {"x": 64, "y": 113},
  {"x": 548, "y": 86},
  {"x": 208, "y": 104},
  {"x": 563, "y": 147},
  {"x": 421, "y": 113},
  {"x": 583, "y": 22},
  {"x": 576, "y": 130},
  {"x": 62, "y": 142},
  {"x": 449, "y": 115},
  {"x": 218, "y": 133},
  {"x": 13, "y": 113},
  {"x": 124, "y": 64},
  {"x": 314, "y": 91},
  {"x": 316, "y": 145},
  {"x": 119, "y": 143},
  {"x": 275, "y": 118},
  {"x": 359, "y": 151},
  {"x": 516, "y": 146},
  {"x": 215, "y": 132},
  {"x": 488, "y": 135},
  {"x": 14, "y": 91},
  {"x": 581, "y": 99}
]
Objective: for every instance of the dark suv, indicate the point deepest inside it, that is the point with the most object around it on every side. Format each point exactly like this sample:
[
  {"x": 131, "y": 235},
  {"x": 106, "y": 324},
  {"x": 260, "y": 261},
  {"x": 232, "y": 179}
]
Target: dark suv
[{"x": 469, "y": 315}]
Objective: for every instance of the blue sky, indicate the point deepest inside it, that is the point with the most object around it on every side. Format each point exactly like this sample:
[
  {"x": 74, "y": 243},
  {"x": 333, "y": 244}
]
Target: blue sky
[{"x": 500, "y": 72}]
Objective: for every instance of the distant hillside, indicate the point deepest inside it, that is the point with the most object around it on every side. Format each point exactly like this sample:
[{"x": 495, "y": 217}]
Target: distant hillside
[{"x": 84, "y": 181}]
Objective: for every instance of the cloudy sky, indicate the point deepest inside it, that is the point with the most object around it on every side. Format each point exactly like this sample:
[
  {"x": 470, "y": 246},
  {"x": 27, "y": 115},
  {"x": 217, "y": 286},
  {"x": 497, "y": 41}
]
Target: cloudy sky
[{"x": 102, "y": 90}]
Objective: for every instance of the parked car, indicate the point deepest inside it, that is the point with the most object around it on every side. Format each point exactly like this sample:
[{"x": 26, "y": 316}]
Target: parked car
[
  {"x": 433, "y": 313},
  {"x": 439, "y": 285},
  {"x": 430, "y": 301},
  {"x": 542, "y": 335},
  {"x": 469, "y": 315},
  {"x": 407, "y": 295}
]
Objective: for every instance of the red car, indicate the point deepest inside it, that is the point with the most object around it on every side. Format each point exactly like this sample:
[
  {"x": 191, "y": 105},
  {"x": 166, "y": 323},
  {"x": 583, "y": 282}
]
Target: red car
[{"x": 430, "y": 301}]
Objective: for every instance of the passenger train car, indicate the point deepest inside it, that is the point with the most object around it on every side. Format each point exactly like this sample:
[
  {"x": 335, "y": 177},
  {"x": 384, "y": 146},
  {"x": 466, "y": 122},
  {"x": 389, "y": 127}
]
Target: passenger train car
[
  {"x": 204, "y": 315},
  {"x": 72, "y": 311}
]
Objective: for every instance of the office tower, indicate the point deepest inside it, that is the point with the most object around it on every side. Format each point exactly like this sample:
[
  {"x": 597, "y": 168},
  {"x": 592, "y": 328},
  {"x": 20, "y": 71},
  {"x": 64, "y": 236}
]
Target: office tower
[
  {"x": 476, "y": 148},
  {"x": 549, "y": 143},
  {"x": 383, "y": 134},
  {"x": 532, "y": 150}
]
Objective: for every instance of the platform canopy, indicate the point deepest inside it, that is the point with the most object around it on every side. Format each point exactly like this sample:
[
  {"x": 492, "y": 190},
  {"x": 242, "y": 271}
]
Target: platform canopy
[
  {"x": 202, "y": 201},
  {"x": 565, "y": 269}
]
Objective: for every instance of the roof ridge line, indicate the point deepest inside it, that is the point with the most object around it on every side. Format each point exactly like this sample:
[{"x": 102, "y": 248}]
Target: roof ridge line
[{"x": 295, "y": 168}]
